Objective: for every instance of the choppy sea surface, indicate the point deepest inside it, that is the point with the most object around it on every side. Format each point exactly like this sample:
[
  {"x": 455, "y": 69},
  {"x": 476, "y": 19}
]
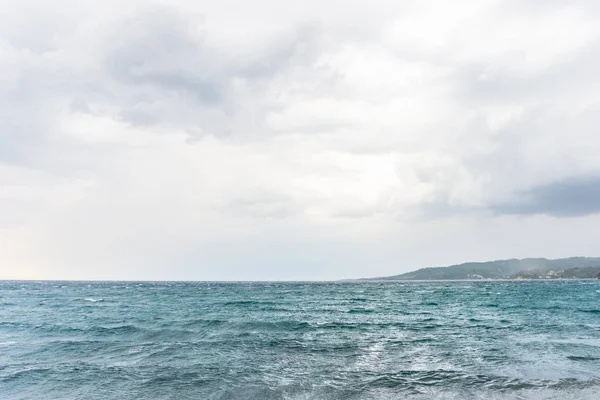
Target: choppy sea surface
[{"x": 366, "y": 340}]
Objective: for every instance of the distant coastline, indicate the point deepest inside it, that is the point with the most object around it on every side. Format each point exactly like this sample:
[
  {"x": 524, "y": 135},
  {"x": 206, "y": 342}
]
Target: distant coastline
[{"x": 511, "y": 269}]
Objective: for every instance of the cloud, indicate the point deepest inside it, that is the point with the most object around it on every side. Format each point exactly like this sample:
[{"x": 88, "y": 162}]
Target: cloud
[
  {"x": 165, "y": 72},
  {"x": 568, "y": 198},
  {"x": 263, "y": 205},
  {"x": 163, "y": 50},
  {"x": 132, "y": 135}
]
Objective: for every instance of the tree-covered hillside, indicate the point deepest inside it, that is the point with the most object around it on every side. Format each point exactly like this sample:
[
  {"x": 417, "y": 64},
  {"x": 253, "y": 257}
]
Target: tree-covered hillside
[{"x": 503, "y": 269}]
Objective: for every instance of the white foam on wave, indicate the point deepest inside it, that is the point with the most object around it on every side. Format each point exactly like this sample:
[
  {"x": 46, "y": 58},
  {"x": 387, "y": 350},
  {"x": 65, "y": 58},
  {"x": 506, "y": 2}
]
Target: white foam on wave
[
  {"x": 94, "y": 300},
  {"x": 538, "y": 394},
  {"x": 484, "y": 394}
]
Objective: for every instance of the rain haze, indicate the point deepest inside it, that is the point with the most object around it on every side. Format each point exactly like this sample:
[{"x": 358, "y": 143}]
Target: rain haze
[{"x": 263, "y": 140}]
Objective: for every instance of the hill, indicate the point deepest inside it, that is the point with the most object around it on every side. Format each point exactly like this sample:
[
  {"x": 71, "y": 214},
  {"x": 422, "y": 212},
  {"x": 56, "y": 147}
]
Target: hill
[{"x": 503, "y": 269}]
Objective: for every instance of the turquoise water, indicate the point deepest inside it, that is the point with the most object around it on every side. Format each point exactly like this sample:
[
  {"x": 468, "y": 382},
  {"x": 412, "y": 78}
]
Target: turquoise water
[{"x": 393, "y": 340}]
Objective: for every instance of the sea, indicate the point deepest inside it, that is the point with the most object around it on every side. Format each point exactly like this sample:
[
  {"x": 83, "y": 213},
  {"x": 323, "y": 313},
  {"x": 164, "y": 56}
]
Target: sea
[{"x": 341, "y": 340}]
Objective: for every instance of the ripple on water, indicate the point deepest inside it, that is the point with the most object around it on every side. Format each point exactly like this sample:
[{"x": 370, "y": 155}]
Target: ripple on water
[{"x": 364, "y": 340}]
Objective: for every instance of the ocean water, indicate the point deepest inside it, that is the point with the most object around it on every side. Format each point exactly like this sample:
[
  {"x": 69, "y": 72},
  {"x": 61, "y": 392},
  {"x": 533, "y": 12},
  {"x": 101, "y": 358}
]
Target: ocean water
[{"x": 368, "y": 340}]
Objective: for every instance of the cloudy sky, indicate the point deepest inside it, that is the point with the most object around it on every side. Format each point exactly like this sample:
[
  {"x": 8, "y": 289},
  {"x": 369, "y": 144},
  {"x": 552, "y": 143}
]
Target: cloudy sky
[{"x": 234, "y": 140}]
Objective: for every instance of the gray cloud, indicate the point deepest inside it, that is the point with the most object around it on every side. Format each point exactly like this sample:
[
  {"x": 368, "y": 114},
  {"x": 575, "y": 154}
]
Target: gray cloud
[
  {"x": 153, "y": 68},
  {"x": 567, "y": 198},
  {"x": 486, "y": 83},
  {"x": 163, "y": 49},
  {"x": 167, "y": 73}
]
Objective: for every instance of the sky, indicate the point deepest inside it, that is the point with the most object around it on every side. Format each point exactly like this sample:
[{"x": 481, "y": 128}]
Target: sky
[{"x": 279, "y": 140}]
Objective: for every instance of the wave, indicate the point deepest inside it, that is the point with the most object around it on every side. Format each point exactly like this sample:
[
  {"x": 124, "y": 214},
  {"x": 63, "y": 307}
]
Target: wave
[
  {"x": 583, "y": 358},
  {"x": 448, "y": 378},
  {"x": 360, "y": 311},
  {"x": 241, "y": 303},
  {"x": 290, "y": 341},
  {"x": 359, "y": 299},
  {"x": 116, "y": 330},
  {"x": 590, "y": 311}
]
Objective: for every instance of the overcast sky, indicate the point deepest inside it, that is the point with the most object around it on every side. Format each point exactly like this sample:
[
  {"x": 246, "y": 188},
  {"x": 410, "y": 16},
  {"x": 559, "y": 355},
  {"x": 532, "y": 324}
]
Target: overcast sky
[{"x": 235, "y": 140}]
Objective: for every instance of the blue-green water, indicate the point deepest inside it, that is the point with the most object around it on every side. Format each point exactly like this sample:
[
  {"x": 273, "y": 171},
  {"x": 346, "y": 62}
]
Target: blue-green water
[{"x": 451, "y": 340}]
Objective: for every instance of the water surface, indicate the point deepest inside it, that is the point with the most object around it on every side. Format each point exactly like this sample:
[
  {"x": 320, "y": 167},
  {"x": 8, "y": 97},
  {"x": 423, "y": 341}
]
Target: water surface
[{"x": 367, "y": 340}]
